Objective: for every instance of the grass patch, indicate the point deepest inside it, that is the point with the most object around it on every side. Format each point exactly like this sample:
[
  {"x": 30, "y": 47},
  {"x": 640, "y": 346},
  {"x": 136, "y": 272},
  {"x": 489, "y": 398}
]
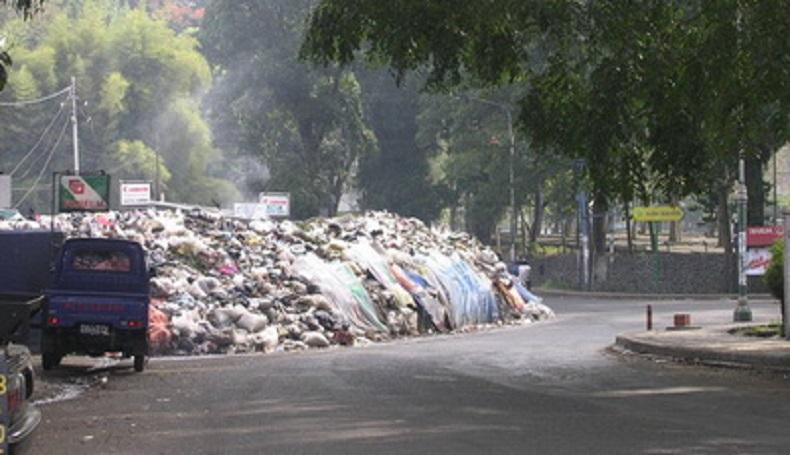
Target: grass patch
[{"x": 761, "y": 331}]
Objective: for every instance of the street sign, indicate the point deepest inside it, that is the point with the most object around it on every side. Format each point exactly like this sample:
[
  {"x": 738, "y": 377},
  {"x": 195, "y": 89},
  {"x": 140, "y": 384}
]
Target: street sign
[
  {"x": 84, "y": 193},
  {"x": 135, "y": 193},
  {"x": 278, "y": 205},
  {"x": 763, "y": 235},
  {"x": 5, "y": 191},
  {"x": 5, "y": 417},
  {"x": 658, "y": 213}
]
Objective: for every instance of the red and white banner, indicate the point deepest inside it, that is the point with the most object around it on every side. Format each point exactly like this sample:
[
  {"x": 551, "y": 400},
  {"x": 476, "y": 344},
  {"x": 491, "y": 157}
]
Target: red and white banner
[{"x": 763, "y": 235}]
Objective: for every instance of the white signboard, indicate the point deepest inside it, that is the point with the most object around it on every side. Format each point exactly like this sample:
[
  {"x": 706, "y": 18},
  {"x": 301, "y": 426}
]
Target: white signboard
[
  {"x": 277, "y": 204},
  {"x": 249, "y": 211},
  {"x": 135, "y": 193},
  {"x": 5, "y": 191},
  {"x": 757, "y": 261}
]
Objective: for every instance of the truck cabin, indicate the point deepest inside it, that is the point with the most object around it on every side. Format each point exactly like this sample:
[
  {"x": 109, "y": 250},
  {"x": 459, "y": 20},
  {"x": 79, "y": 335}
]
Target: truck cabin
[{"x": 106, "y": 265}]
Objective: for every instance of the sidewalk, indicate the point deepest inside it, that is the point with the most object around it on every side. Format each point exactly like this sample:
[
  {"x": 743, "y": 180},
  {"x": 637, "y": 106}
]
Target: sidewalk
[
  {"x": 712, "y": 345},
  {"x": 541, "y": 291}
]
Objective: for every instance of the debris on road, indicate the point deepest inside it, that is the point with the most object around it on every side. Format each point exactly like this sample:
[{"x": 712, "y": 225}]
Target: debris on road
[{"x": 226, "y": 285}]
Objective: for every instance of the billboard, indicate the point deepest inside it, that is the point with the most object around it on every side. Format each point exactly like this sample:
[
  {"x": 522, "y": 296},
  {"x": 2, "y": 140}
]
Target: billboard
[
  {"x": 5, "y": 191},
  {"x": 84, "y": 193},
  {"x": 135, "y": 193},
  {"x": 278, "y": 205},
  {"x": 249, "y": 211}
]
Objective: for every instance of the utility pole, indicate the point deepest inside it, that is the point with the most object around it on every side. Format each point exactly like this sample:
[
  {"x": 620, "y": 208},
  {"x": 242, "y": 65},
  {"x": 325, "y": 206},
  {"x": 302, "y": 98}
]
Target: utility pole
[
  {"x": 513, "y": 216},
  {"x": 74, "y": 126},
  {"x": 742, "y": 312},
  {"x": 511, "y": 171},
  {"x": 582, "y": 228},
  {"x": 776, "y": 202}
]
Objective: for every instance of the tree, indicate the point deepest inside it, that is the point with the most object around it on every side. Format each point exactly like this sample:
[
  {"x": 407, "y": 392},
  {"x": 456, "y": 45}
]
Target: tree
[
  {"x": 307, "y": 124},
  {"x": 398, "y": 176},
  {"x": 687, "y": 87},
  {"x": 137, "y": 81},
  {"x": 27, "y": 8}
]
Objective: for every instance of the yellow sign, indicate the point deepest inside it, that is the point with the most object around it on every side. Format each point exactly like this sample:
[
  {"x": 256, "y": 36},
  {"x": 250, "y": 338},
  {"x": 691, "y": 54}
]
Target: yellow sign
[{"x": 658, "y": 213}]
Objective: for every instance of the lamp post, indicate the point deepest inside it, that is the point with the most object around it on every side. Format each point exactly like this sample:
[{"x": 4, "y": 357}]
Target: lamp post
[
  {"x": 582, "y": 230},
  {"x": 511, "y": 171},
  {"x": 742, "y": 312}
]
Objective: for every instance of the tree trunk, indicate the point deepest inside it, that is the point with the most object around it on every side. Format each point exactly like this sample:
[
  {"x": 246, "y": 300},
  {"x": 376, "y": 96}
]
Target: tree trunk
[
  {"x": 600, "y": 209},
  {"x": 675, "y": 227},
  {"x": 723, "y": 217},
  {"x": 537, "y": 220},
  {"x": 755, "y": 209},
  {"x": 628, "y": 227}
]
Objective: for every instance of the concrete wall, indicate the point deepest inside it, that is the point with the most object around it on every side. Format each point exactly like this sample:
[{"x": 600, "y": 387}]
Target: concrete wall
[{"x": 663, "y": 273}]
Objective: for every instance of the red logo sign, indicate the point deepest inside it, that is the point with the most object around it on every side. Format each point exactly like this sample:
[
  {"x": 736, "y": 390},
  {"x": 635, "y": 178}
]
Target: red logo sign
[
  {"x": 76, "y": 186},
  {"x": 763, "y": 235}
]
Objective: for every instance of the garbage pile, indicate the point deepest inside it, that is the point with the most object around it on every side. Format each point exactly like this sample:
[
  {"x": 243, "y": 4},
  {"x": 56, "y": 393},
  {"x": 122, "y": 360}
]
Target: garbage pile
[{"x": 226, "y": 285}]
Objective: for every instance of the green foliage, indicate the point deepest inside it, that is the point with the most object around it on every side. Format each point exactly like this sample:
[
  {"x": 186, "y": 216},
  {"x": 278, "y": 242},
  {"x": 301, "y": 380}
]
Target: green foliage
[
  {"x": 658, "y": 98},
  {"x": 306, "y": 124},
  {"x": 774, "y": 276},
  {"x": 138, "y": 82},
  {"x": 138, "y": 161}
]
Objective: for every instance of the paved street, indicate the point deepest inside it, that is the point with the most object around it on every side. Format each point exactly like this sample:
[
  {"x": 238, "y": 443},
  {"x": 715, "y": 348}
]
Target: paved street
[{"x": 545, "y": 388}]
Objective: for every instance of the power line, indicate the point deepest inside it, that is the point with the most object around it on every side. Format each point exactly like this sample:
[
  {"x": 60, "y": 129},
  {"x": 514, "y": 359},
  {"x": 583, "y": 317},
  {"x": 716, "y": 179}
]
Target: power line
[
  {"x": 36, "y": 100},
  {"x": 44, "y": 167},
  {"x": 39, "y": 141}
]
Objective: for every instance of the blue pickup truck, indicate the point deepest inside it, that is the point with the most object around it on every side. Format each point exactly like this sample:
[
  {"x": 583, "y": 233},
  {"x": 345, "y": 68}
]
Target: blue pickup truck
[{"x": 97, "y": 302}]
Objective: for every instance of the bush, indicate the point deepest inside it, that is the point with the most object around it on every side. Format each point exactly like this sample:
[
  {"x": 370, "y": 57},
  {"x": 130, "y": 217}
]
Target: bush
[{"x": 774, "y": 276}]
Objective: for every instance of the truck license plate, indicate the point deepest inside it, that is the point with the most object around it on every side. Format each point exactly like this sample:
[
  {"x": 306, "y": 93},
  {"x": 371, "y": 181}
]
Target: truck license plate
[{"x": 95, "y": 330}]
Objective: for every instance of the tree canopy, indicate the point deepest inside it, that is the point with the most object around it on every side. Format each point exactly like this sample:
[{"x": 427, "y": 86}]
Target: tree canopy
[
  {"x": 677, "y": 90},
  {"x": 138, "y": 83}
]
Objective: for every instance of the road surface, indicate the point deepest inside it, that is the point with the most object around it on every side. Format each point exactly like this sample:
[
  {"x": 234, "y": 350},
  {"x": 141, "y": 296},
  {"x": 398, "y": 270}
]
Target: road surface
[{"x": 545, "y": 388}]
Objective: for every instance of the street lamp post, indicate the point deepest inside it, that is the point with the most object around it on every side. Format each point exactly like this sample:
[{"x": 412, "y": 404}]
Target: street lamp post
[
  {"x": 511, "y": 171},
  {"x": 582, "y": 229},
  {"x": 742, "y": 312},
  {"x": 511, "y": 183}
]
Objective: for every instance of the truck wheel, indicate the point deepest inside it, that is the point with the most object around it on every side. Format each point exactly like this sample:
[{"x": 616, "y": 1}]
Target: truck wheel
[
  {"x": 50, "y": 360},
  {"x": 139, "y": 363}
]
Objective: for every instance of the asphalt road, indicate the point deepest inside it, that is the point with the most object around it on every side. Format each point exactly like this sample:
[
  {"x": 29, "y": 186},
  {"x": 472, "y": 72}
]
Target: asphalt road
[{"x": 545, "y": 388}]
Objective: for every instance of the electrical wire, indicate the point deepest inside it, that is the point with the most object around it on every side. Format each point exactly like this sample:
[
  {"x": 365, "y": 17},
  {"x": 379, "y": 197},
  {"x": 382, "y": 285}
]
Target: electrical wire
[
  {"x": 39, "y": 141},
  {"x": 36, "y": 100},
  {"x": 44, "y": 167}
]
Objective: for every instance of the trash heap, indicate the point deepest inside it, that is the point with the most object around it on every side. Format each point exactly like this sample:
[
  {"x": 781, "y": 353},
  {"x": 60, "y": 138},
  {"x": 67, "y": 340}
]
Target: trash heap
[{"x": 226, "y": 285}]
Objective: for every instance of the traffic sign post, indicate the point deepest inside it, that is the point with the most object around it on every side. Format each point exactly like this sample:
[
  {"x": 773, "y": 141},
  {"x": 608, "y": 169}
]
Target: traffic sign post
[{"x": 655, "y": 215}]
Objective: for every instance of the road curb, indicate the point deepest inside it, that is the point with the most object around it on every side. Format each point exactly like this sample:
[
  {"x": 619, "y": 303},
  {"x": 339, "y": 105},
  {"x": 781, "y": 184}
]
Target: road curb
[
  {"x": 755, "y": 358},
  {"x": 632, "y": 296}
]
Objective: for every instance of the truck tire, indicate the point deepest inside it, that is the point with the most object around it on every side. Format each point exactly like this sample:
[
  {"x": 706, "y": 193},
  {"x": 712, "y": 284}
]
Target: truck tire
[
  {"x": 50, "y": 360},
  {"x": 139, "y": 363}
]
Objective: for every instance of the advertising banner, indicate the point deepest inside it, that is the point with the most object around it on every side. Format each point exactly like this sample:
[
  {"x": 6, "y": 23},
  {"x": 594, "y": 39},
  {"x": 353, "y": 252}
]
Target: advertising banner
[
  {"x": 135, "y": 193},
  {"x": 249, "y": 211},
  {"x": 757, "y": 261},
  {"x": 278, "y": 205},
  {"x": 763, "y": 235},
  {"x": 84, "y": 193}
]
